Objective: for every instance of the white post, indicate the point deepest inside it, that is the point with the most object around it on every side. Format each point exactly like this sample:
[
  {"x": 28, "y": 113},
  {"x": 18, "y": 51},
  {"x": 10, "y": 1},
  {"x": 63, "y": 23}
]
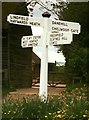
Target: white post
[
  {"x": 44, "y": 60},
  {"x": 44, "y": 63}
]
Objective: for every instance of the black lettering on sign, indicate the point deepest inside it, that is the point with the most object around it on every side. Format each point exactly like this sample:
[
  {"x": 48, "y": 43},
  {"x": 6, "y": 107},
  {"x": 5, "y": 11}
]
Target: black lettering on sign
[
  {"x": 60, "y": 29},
  {"x": 11, "y": 17},
  {"x": 25, "y": 43},
  {"x": 36, "y": 37},
  {"x": 53, "y": 39},
  {"x": 59, "y": 23},
  {"x": 64, "y": 38},
  {"x": 23, "y": 38},
  {"x": 14, "y": 17},
  {"x": 54, "y": 35},
  {"x": 64, "y": 29},
  {"x": 30, "y": 45},
  {"x": 35, "y": 44},
  {"x": 19, "y": 19},
  {"x": 34, "y": 23},
  {"x": 74, "y": 30},
  {"x": 13, "y": 21},
  {"x": 60, "y": 34},
  {"x": 29, "y": 37},
  {"x": 54, "y": 28},
  {"x": 53, "y": 43}
]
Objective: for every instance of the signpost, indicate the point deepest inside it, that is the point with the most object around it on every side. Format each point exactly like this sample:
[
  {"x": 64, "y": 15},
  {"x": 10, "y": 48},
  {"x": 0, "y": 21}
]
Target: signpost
[{"x": 64, "y": 33}]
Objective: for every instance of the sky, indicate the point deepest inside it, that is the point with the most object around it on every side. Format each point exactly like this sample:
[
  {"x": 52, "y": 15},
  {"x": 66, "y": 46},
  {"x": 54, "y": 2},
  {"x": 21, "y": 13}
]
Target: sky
[{"x": 52, "y": 54}]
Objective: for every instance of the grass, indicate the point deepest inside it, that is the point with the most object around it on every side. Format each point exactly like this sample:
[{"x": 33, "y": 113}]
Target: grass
[
  {"x": 69, "y": 105},
  {"x": 72, "y": 86}
]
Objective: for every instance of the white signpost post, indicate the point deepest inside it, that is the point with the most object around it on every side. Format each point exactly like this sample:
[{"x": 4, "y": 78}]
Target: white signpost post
[{"x": 64, "y": 31}]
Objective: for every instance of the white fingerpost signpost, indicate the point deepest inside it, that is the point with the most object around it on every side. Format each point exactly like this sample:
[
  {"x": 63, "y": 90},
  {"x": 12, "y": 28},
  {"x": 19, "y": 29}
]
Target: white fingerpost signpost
[
  {"x": 44, "y": 59},
  {"x": 55, "y": 32}
]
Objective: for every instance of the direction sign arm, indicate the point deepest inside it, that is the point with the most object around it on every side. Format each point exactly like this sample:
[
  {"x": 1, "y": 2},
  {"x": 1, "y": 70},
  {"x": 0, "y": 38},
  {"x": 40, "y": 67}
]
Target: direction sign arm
[{"x": 64, "y": 26}]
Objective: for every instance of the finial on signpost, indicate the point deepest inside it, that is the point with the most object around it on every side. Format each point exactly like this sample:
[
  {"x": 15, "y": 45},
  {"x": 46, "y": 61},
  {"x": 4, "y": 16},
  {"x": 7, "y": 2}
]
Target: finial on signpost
[{"x": 46, "y": 14}]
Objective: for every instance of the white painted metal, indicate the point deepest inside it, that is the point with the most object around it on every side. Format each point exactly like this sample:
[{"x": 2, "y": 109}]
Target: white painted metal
[
  {"x": 30, "y": 41},
  {"x": 60, "y": 38},
  {"x": 44, "y": 63},
  {"x": 25, "y": 20},
  {"x": 64, "y": 26}
]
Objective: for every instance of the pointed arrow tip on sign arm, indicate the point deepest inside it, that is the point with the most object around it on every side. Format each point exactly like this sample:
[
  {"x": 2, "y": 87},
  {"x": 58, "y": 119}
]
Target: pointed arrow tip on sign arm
[
  {"x": 8, "y": 18},
  {"x": 79, "y": 28}
]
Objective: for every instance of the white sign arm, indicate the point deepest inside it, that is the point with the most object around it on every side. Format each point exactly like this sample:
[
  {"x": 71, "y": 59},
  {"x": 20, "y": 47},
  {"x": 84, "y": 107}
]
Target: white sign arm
[
  {"x": 25, "y": 20},
  {"x": 64, "y": 26}
]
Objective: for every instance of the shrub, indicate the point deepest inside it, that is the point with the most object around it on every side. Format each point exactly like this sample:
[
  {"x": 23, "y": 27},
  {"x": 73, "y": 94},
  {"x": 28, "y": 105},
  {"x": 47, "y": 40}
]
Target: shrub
[{"x": 67, "y": 106}]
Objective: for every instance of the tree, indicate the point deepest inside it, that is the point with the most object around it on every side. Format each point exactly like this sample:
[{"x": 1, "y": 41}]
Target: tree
[{"x": 77, "y": 52}]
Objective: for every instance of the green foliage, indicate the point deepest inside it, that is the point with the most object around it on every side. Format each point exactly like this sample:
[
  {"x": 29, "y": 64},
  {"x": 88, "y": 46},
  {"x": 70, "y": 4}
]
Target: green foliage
[
  {"x": 77, "y": 52},
  {"x": 58, "y": 69},
  {"x": 71, "y": 87},
  {"x": 68, "y": 105},
  {"x": 59, "y": 7},
  {"x": 77, "y": 63},
  {"x": 56, "y": 74}
]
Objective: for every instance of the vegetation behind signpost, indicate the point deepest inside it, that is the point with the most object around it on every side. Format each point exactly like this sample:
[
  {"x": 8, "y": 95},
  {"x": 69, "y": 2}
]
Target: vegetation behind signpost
[{"x": 77, "y": 52}]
